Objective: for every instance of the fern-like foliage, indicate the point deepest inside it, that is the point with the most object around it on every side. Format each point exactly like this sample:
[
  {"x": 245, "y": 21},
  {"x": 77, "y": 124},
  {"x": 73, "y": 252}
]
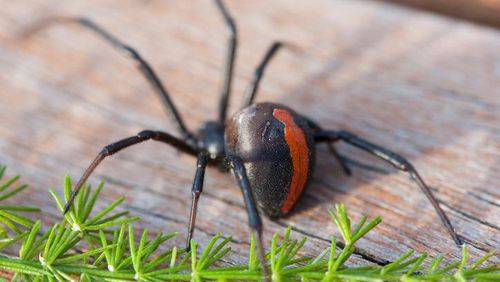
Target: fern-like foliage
[
  {"x": 12, "y": 224},
  {"x": 92, "y": 245}
]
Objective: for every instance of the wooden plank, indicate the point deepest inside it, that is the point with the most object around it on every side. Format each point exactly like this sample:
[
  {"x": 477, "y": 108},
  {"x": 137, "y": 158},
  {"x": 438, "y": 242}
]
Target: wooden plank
[
  {"x": 480, "y": 11},
  {"x": 425, "y": 86}
]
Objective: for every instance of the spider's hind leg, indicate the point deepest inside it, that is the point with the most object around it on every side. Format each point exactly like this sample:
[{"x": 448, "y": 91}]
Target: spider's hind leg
[
  {"x": 395, "y": 160},
  {"x": 342, "y": 161}
]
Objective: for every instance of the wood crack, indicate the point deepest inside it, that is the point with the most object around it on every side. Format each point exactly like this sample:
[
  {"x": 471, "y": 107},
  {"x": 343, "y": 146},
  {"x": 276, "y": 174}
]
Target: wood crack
[{"x": 469, "y": 216}]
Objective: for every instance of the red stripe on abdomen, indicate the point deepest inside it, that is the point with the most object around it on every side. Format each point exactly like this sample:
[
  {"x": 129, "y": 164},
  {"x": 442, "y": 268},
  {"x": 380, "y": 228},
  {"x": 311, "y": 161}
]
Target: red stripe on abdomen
[{"x": 299, "y": 152}]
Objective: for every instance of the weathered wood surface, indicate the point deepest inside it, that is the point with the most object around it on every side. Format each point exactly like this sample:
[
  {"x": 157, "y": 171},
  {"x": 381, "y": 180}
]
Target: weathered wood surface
[{"x": 426, "y": 86}]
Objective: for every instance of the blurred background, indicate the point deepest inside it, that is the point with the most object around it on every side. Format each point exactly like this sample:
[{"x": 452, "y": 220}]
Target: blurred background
[
  {"x": 481, "y": 11},
  {"x": 419, "y": 77}
]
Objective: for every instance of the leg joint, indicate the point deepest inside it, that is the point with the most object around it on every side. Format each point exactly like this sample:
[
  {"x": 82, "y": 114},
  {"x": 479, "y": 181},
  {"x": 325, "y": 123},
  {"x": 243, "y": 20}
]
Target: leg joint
[
  {"x": 406, "y": 166},
  {"x": 106, "y": 151},
  {"x": 196, "y": 193},
  {"x": 400, "y": 162}
]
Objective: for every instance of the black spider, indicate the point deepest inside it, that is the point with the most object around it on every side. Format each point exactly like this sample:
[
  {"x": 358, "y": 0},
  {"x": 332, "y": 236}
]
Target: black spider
[{"x": 269, "y": 147}]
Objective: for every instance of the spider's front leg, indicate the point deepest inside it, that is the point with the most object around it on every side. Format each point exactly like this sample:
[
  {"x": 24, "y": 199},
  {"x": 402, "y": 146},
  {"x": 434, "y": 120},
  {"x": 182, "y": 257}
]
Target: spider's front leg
[
  {"x": 395, "y": 160},
  {"x": 113, "y": 148},
  {"x": 145, "y": 68},
  {"x": 196, "y": 193},
  {"x": 254, "y": 219}
]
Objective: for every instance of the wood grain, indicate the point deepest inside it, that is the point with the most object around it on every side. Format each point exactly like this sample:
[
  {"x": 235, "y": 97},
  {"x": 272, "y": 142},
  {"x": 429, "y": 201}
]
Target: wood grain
[{"x": 425, "y": 86}]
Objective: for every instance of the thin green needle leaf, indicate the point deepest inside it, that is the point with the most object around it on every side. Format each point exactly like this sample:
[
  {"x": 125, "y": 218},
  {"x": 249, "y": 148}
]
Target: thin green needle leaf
[
  {"x": 17, "y": 219},
  {"x": 322, "y": 255},
  {"x": 436, "y": 262},
  {"x": 112, "y": 217},
  {"x": 367, "y": 228},
  {"x": 465, "y": 258},
  {"x": 193, "y": 255},
  {"x": 140, "y": 249},
  {"x": 91, "y": 203},
  {"x": 360, "y": 224},
  {"x": 13, "y": 192},
  {"x": 67, "y": 242},
  {"x": 28, "y": 244},
  {"x": 285, "y": 244},
  {"x": 152, "y": 246},
  {"x": 418, "y": 264},
  {"x": 9, "y": 183},
  {"x": 9, "y": 224},
  {"x": 111, "y": 223},
  {"x": 106, "y": 210},
  {"x": 80, "y": 203},
  {"x": 206, "y": 251},
  {"x": 50, "y": 240},
  {"x": 343, "y": 223},
  {"x": 274, "y": 244},
  {"x": 159, "y": 260},
  {"x": 386, "y": 269},
  {"x": 19, "y": 208},
  {"x": 294, "y": 251},
  {"x": 75, "y": 258},
  {"x": 121, "y": 245},
  {"x": 107, "y": 252},
  {"x": 252, "y": 256},
  {"x": 483, "y": 259},
  {"x": 447, "y": 268},
  {"x": 217, "y": 256},
  {"x": 133, "y": 253},
  {"x": 333, "y": 250},
  {"x": 4, "y": 243},
  {"x": 67, "y": 187},
  {"x": 2, "y": 171},
  {"x": 56, "y": 198},
  {"x": 173, "y": 258}
]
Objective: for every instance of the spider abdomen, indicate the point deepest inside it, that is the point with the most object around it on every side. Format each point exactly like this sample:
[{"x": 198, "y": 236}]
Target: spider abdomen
[{"x": 276, "y": 146}]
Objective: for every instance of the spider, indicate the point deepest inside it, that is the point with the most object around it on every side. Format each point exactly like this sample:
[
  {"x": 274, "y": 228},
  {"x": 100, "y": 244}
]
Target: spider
[{"x": 269, "y": 148}]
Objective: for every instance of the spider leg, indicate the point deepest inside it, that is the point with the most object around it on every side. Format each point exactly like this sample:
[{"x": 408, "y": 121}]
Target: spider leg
[
  {"x": 259, "y": 72},
  {"x": 125, "y": 143},
  {"x": 395, "y": 160},
  {"x": 254, "y": 219},
  {"x": 229, "y": 63},
  {"x": 195, "y": 193},
  {"x": 316, "y": 128},
  {"x": 142, "y": 64}
]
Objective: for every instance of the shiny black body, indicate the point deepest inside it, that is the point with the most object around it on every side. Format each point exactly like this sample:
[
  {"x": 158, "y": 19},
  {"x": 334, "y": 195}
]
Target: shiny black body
[
  {"x": 257, "y": 137},
  {"x": 267, "y": 155}
]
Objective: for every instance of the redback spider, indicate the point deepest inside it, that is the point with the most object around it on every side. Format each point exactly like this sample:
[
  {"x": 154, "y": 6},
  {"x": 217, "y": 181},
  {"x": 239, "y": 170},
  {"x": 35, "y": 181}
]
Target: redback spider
[{"x": 269, "y": 147}]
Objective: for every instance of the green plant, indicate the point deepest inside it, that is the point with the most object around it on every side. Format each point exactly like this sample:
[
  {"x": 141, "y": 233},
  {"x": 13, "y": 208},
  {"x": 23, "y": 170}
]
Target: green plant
[
  {"x": 104, "y": 246},
  {"x": 12, "y": 225}
]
